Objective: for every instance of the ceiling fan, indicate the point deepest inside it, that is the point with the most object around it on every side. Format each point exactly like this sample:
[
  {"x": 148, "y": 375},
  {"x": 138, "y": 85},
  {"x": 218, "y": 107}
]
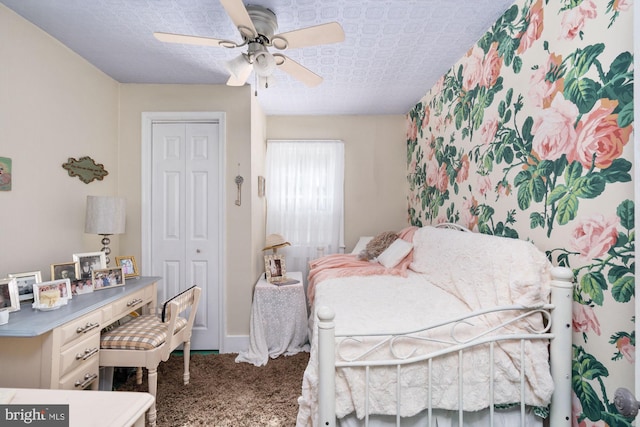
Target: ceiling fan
[{"x": 258, "y": 26}]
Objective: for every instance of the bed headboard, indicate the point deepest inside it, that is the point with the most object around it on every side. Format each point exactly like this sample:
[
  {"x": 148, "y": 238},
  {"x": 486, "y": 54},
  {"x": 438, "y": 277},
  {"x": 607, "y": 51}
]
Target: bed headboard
[{"x": 452, "y": 226}]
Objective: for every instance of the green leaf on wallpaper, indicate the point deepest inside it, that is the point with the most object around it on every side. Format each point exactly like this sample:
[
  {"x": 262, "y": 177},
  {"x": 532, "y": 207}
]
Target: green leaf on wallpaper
[
  {"x": 616, "y": 272},
  {"x": 507, "y": 116},
  {"x": 545, "y": 168},
  {"x": 538, "y": 189},
  {"x": 517, "y": 64},
  {"x": 536, "y": 220},
  {"x": 526, "y": 130},
  {"x": 618, "y": 171},
  {"x": 585, "y": 367},
  {"x": 625, "y": 116},
  {"x": 556, "y": 194},
  {"x": 585, "y": 58},
  {"x": 583, "y": 93},
  {"x": 508, "y": 96},
  {"x": 620, "y": 65},
  {"x": 593, "y": 283},
  {"x": 589, "y": 186},
  {"x": 625, "y": 212},
  {"x": 567, "y": 209},
  {"x": 573, "y": 172},
  {"x": 502, "y": 108},
  {"x": 591, "y": 404},
  {"x": 622, "y": 289},
  {"x": 524, "y": 197},
  {"x": 522, "y": 177},
  {"x": 614, "y": 419},
  {"x": 507, "y": 48}
]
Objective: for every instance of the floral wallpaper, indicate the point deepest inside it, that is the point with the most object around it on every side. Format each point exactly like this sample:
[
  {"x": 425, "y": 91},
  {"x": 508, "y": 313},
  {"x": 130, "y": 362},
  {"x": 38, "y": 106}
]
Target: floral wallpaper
[{"x": 529, "y": 136}]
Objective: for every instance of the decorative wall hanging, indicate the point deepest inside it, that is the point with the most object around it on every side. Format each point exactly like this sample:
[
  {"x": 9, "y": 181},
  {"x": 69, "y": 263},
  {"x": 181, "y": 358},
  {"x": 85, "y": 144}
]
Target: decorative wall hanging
[
  {"x": 5, "y": 174},
  {"x": 86, "y": 169}
]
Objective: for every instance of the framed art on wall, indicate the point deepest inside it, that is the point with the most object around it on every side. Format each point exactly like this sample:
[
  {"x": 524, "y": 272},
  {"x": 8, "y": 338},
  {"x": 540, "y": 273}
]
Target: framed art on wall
[{"x": 25, "y": 283}]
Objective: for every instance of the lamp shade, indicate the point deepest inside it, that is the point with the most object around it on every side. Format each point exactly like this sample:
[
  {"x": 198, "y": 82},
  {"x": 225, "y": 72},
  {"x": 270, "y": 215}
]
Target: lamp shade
[
  {"x": 275, "y": 241},
  {"x": 105, "y": 215}
]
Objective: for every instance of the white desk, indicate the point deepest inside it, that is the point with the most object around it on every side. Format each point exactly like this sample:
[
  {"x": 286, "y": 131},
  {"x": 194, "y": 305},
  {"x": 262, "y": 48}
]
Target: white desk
[
  {"x": 278, "y": 321},
  {"x": 88, "y": 408},
  {"x": 60, "y": 349}
]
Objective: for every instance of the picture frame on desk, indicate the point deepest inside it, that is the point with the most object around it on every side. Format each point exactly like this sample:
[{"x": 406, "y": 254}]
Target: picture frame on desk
[
  {"x": 129, "y": 266},
  {"x": 90, "y": 261},
  {"x": 52, "y": 294},
  {"x": 81, "y": 286},
  {"x": 107, "y": 278},
  {"x": 25, "y": 283},
  {"x": 9, "y": 298},
  {"x": 275, "y": 268},
  {"x": 65, "y": 270}
]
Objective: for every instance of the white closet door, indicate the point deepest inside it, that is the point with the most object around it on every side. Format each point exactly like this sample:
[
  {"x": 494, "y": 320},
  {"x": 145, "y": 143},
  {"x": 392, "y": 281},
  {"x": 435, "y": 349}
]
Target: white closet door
[{"x": 185, "y": 219}]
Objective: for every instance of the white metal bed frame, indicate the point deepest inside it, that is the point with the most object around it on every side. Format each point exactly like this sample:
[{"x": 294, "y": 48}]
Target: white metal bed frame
[{"x": 558, "y": 331}]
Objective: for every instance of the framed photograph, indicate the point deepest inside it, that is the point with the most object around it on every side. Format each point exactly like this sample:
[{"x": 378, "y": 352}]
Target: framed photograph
[
  {"x": 52, "y": 294},
  {"x": 65, "y": 270},
  {"x": 89, "y": 261},
  {"x": 81, "y": 286},
  {"x": 9, "y": 299},
  {"x": 25, "y": 283},
  {"x": 129, "y": 266},
  {"x": 275, "y": 268},
  {"x": 107, "y": 278}
]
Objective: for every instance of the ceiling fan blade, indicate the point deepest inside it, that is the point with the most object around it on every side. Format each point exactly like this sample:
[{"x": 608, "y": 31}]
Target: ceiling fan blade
[
  {"x": 181, "y": 38},
  {"x": 331, "y": 32},
  {"x": 297, "y": 71},
  {"x": 240, "y": 17}
]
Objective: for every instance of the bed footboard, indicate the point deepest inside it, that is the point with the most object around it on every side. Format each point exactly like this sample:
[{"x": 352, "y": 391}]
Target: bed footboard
[{"x": 560, "y": 335}]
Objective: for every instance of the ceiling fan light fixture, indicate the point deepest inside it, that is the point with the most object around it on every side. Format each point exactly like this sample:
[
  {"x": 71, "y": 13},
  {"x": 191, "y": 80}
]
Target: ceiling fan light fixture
[
  {"x": 264, "y": 64},
  {"x": 239, "y": 68},
  {"x": 266, "y": 81}
]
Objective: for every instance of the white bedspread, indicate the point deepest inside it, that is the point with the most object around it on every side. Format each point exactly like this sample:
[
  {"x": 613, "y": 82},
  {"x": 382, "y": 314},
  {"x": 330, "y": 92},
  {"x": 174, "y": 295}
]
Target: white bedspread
[{"x": 363, "y": 306}]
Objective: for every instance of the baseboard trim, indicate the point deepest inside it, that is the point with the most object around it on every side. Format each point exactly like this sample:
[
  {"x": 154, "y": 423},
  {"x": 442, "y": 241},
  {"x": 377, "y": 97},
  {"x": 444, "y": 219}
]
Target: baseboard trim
[{"x": 235, "y": 344}]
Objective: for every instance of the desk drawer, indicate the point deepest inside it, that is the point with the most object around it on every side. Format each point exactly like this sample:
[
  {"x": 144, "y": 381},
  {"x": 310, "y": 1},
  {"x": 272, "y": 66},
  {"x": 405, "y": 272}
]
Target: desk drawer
[
  {"x": 80, "y": 354},
  {"x": 132, "y": 302},
  {"x": 78, "y": 329},
  {"x": 82, "y": 378}
]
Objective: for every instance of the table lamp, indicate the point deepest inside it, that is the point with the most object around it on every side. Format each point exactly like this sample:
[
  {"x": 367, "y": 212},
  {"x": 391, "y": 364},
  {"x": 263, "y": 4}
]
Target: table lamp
[{"x": 105, "y": 216}]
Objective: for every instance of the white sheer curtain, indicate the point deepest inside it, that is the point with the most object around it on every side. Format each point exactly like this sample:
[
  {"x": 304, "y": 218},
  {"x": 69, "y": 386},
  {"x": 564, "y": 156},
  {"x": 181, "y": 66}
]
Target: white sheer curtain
[{"x": 305, "y": 198}]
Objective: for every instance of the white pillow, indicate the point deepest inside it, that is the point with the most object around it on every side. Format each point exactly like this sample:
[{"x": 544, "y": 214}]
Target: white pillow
[
  {"x": 362, "y": 243},
  {"x": 395, "y": 253}
]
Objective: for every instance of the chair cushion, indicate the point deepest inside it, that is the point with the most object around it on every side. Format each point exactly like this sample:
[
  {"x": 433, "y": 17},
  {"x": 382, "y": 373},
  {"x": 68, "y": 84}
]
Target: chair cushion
[{"x": 142, "y": 333}]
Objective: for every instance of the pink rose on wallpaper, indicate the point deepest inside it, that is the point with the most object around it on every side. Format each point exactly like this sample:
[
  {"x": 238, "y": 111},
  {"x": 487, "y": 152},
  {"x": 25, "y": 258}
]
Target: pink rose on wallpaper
[
  {"x": 541, "y": 90},
  {"x": 594, "y": 236},
  {"x": 584, "y": 319},
  {"x": 412, "y": 129},
  {"x": 472, "y": 69},
  {"x": 573, "y": 19},
  {"x": 599, "y": 135},
  {"x": 432, "y": 173},
  {"x": 488, "y": 130},
  {"x": 429, "y": 150},
  {"x": 503, "y": 190},
  {"x": 491, "y": 66},
  {"x": 463, "y": 171},
  {"x": 469, "y": 219},
  {"x": 427, "y": 117},
  {"x": 627, "y": 349},
  {"x": 535, "y": 19},
  {"x": 484, "y": 185},
  {"x": 442, "y": 179},
  {"x": 439, "y": 86},
  {"x": 553, "y": 129}
]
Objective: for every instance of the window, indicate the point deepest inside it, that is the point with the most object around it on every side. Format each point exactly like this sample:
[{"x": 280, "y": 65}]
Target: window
[{"x": 305, "y": 198}]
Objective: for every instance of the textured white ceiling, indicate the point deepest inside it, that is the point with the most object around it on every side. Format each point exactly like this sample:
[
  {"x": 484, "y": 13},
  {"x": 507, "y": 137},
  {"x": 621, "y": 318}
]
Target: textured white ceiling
[{"x": 394, "y": 50}]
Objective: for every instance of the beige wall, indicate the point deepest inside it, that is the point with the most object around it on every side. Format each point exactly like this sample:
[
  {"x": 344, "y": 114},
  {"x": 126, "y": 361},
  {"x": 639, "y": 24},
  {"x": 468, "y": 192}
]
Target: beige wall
[
  {"x": 375, "y": 161},
  {"x": 53, "y": 105}
]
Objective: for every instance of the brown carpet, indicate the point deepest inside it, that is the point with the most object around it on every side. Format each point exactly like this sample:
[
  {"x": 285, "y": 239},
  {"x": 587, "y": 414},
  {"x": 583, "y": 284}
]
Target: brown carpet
[{"x": 223, "y": 393}]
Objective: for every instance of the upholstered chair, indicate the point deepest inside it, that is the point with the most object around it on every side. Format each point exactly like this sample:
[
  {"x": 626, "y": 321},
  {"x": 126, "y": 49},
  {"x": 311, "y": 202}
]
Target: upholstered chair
[{"x": 147, "y": 340}]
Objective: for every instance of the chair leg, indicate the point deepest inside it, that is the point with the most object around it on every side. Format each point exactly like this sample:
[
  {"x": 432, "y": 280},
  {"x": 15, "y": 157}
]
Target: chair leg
[
  {"x": 186, "y": 351},
  {"x": 138, "y": 375},
  {"x": 153, "y": 389}
]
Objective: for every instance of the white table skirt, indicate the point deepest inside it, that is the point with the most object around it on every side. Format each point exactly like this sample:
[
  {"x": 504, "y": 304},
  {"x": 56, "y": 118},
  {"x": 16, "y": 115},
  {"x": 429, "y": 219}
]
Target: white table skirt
[{"x": 278, "y": 321}]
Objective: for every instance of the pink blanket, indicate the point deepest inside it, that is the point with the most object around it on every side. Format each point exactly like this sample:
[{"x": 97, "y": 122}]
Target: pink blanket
[{"x": 347, "y": 265}]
